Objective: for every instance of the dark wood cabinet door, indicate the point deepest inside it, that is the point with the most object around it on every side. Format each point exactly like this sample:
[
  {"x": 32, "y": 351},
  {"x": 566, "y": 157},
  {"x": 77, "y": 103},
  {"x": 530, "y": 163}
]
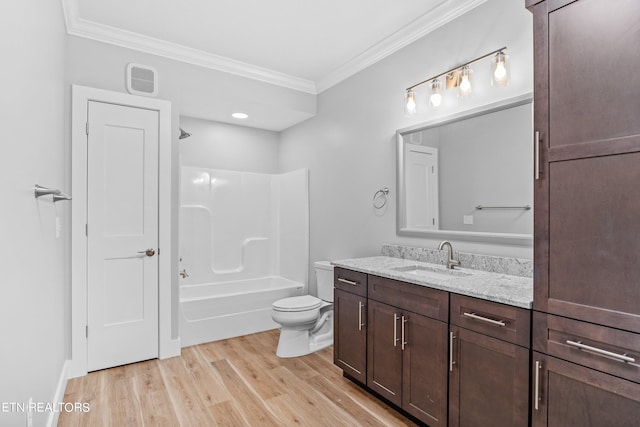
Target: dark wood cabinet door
[
  {"x": 424, "y": 369},
  {"x": 489, "y": 381},
  {"x": 350, "y": 334},
  {"x": 587, "y": 105},
  {"x": 570, "y": 395},
  {"x": 384, "y": 352}
]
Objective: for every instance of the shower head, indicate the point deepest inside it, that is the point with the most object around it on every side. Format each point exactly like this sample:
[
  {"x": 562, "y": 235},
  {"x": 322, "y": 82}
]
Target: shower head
[{"x": 184, "y": 134}]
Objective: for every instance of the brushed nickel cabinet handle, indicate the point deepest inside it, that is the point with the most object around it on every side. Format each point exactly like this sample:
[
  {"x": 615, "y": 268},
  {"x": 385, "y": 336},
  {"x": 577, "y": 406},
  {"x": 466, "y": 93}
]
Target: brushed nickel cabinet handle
[
  {"x": 537, "y": 155},
  {"x": 348, "y": 282},
  {"x": 599, "y": 351},
  {"x": 451, "y": 362},
  {"x": 536, "y": 386},
  {"x": 395, "y": 329},
  {"x": 404, "y": 320},
  {"x": 360, "y": 306},
  {"x": 485, "y": 319}
]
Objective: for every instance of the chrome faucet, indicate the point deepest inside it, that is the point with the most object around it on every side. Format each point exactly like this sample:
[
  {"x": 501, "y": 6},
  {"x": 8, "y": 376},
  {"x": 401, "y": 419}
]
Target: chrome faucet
[
  {"x": 184, "y": 274},
  {"x": 450, "y": 261}
]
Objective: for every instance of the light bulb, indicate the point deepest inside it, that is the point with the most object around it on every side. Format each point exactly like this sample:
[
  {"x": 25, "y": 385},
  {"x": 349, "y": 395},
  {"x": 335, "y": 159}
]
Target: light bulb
[
  {"x": 500, "y": 68},
  {"x": 501, "y": 72},
  {"x": 465, "y": 82},
  {"x": 436, "y": 99},
  {"x": 410, "y": 103},
  {"x": 465, "y": 85}
]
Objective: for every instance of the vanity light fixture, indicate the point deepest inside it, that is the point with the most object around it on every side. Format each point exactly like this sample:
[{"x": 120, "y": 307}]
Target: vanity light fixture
[
  {"x": 239, "y": 116},
  {"x": 459, "y": 77}
]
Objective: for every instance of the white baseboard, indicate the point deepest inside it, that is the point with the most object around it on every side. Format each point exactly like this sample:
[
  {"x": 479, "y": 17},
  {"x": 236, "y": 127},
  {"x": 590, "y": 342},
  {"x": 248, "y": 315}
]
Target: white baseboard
[{"x": 52, "y": 421}]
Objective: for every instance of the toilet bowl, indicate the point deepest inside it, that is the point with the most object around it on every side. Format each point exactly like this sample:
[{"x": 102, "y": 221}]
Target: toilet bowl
[{"x": 306, "y": 321}]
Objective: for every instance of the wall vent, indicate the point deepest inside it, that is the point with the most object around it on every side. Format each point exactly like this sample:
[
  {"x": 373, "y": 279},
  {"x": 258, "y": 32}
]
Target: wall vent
[{"x": 142, "y": 80}]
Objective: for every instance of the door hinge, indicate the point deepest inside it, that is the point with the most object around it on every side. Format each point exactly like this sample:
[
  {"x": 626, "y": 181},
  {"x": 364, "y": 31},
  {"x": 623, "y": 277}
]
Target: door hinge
[
  {"x": 86, "y": 230},
  {"x": 86, "y": 128},
  {"x": 433, "y": 168},
  {"x": 86, "y": 331},
  {"x": 433, "y": 221}
]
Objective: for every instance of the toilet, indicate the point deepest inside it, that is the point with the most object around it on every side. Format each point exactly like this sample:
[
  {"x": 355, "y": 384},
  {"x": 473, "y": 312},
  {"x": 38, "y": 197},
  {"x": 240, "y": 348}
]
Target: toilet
[{"x": 307, "y": 321}]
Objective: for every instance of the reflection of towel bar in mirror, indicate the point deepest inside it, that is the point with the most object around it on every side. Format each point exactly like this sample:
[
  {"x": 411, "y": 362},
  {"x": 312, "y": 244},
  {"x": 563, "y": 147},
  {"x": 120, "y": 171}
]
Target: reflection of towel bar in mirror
[{"x": 525, "y": 207}]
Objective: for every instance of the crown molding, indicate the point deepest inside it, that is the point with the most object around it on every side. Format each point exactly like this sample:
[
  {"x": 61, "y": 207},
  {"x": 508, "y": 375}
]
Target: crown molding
[
  {"x": 77, "y": 26},
  {"x": 437, "y": 17},
  {"x": 432, "y": 20}
]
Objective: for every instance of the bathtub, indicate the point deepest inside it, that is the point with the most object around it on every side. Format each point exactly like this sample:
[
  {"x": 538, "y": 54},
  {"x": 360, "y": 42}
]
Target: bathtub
[{"x": 216, "y": 311}]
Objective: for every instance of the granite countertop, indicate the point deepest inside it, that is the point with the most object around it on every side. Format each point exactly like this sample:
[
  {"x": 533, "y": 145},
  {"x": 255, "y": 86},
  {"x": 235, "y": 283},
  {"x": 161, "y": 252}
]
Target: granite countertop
[{"x": 506, "y": 289}]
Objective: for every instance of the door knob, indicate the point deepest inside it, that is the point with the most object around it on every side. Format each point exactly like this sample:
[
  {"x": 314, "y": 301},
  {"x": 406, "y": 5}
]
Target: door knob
[{"x": 148, "y": 252}]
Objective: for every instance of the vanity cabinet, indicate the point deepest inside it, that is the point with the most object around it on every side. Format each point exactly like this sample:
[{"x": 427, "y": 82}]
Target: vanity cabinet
[
  {"x": 407, "y": 347},
  {"x": 445, "y": 359},
  {"x": 488, "y": 363},
  {"x": 350, "y": 319},
  {"x": 586, "y": 199}
]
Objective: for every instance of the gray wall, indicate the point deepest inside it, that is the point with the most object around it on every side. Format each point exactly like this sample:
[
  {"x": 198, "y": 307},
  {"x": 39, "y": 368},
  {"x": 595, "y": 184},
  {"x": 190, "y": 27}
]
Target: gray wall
[
  {"x": 215, "y": 145},
  {"x": 349, "y": 147},
  {"x": 34, "y": 278}
]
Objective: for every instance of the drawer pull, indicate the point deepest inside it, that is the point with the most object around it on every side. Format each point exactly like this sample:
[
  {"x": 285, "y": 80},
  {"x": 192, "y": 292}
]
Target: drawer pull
[
  {"x": 348, "y": 282},
  {"x": 484, "y": 319},
  {"x": 360, "y": 307},
  {"x": 622, "y": 357}
]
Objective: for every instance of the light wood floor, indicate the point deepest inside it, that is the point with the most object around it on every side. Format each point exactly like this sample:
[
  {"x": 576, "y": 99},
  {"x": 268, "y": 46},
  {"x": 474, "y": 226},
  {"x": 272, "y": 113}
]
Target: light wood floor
[{"x": 235, "y": 382}]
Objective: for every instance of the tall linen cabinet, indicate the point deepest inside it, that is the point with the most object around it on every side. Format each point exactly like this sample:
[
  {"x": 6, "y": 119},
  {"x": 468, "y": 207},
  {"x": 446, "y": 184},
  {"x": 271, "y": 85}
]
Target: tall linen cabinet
[{"x": 586, "y": 322}]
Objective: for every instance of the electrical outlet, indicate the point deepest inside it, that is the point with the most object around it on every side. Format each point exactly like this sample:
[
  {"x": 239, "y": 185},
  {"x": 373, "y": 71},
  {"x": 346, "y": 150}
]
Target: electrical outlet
[{"x": 29, "y": 413}]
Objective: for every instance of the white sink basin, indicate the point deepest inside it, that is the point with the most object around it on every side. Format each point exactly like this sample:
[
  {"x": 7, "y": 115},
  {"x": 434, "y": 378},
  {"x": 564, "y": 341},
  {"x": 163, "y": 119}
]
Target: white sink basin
[{"x": 430, "y": 272}]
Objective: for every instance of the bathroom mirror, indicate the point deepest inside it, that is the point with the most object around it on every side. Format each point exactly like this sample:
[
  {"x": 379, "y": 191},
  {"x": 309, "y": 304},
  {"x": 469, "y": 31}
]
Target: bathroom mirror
[{"x": 469, "y": 176}]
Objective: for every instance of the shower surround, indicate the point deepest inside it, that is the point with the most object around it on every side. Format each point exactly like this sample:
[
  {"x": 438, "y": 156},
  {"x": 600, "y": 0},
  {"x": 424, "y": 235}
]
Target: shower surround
[{"x": 244, "y": 243}]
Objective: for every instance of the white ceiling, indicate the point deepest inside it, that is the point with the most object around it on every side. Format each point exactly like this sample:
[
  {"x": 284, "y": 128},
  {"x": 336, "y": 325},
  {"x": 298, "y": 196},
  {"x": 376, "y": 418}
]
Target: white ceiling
[{"x": 301, "y": 44}]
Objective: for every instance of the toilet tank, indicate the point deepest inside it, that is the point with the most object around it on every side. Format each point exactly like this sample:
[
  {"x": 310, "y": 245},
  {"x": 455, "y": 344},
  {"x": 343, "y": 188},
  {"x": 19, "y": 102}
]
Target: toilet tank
[{"x": 324, "y": 276}]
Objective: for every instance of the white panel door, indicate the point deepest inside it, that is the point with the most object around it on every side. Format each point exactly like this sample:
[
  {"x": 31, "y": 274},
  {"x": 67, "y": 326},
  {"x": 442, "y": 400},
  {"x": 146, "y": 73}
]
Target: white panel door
[
  {"x": 421, "y": 187},
  {"x": 122, "y": 212}
]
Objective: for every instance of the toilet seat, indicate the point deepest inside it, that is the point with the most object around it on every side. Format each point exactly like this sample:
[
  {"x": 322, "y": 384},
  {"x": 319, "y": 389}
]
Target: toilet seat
[{"x": 296, "y": 304}]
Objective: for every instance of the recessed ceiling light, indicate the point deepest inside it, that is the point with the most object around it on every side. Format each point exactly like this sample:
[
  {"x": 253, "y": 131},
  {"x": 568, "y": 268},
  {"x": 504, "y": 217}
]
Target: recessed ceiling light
[{"x": 239, "y": 115}]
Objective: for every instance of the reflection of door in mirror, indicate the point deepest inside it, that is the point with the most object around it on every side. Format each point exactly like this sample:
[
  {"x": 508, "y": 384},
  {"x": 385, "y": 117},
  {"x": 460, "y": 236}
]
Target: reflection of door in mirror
[{"x": 421, "y": 163}]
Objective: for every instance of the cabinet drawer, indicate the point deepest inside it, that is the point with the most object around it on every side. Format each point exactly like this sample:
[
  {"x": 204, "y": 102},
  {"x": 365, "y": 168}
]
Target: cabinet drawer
[
  {"x": 599, "y": 347},
  {"x": 407, "y": 296},
  {"x": 350, "y": 281},
  {"x": 505, "y": 322}
]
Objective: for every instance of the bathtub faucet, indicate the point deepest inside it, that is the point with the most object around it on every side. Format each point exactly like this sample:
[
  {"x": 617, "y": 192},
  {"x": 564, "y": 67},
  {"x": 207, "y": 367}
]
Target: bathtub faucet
[{"x": 184, "y": 273}]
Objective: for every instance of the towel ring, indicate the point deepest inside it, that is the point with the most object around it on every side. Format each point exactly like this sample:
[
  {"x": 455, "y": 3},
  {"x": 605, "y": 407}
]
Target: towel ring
[{"x": 381, "y": 194}]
